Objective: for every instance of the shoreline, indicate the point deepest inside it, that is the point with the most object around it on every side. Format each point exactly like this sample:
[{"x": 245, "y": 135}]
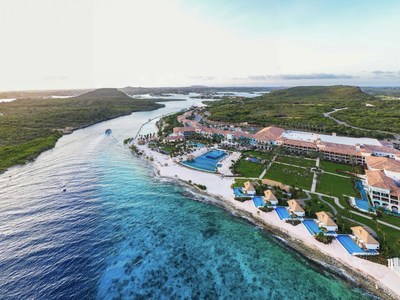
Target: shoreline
[{"x": 371, "y": 277}]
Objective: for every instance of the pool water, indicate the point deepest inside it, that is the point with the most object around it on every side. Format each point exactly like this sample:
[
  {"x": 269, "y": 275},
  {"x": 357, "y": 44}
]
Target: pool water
[
  {"x": 348, "y": 243},
  {"x": 282, "y": 212},
  {"x": 362, "y": 203},
  {"x": 238, "y": 192},
  {"x": 207, "y": 162},
  {"x": 258, "y": 201},
  {"x": 312, "y": 227}
]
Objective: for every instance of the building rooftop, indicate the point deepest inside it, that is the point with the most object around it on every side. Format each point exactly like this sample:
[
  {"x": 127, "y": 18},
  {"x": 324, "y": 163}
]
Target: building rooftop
[
  {"x": 268, "y": 134},
  {"x": 311, "y": 137},
  {"x": 324, "y": 218},
  {"x": 269, "y": 195},
  {"x": 364, "y": 235},
  {"x": 378, "y": 179},
  {"x": 383, "y": 163},
  {"x": 249, "y": 186},
  {"x": 295, "y": 206}
]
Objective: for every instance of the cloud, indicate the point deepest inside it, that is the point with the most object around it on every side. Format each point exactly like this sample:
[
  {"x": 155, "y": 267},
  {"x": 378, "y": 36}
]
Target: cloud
[
  {"x": 55, "y": 77},
  {"x": 310, "y": 76},
  {"x": 203, "y": 77},
  {"x": 385, "y": 74}
]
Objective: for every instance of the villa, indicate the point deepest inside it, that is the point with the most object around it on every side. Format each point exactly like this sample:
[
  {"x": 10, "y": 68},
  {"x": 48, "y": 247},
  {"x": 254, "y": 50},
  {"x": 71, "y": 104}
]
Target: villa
[
  {"x": 324, "y": 220},
  {"x": 295, "y": 208},
  {"x": 249, "y": 188},
  {"x": 270, "y": 197},
  {"x": 382, "y": 179},
  {"x": 364, "y": 239}
]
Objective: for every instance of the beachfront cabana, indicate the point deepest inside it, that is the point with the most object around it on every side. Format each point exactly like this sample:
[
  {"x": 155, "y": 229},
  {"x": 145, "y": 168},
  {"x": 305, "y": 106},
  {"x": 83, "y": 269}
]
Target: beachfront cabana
[
  {"x": 249, "y": 188},
  {"x": 270, "y": 197},
  {"x": 324, "y": 219},
  {"x": 295, "y": 208},
  {"x": 364, "y": 239}
]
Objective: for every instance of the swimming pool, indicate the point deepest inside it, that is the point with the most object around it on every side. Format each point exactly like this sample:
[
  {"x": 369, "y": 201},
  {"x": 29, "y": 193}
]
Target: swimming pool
[
  {"x": 312, "y": 226},
  {"x": 238, "y": 192},
  {"x": 282, "y": 212},
  {"x": 362, "y": 203},
  {"x": 348, "y": 243},
  {"x": 207, "y": 162},
  {"x": 258, "y": 201}
]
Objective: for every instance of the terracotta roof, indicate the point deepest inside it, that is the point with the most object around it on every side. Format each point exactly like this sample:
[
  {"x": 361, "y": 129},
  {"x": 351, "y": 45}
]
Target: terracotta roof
[
  {"x": 174, "y": 138},
  {"x": 184, "y": 129},
  {"x": 383, "y": 163},
  {"x": 383, "y": 149},
  {"x": 380, "y": 180},
  {"x": 294, "y": 206},
  {"x": 269, "y": 195},
  {"x": 325, "y": 219},
  {"x": 363, "y": 235},
  {"x": 248, "y": 186},
  {"x": 270, "y": 133},
  {"x": 300, "y": 143}
]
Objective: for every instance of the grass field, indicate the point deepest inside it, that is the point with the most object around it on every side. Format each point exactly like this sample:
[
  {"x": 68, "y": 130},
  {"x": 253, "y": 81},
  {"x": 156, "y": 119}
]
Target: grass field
[
  {"x": 335, "y": 185},
  {"x": 332, "y": 167},
  {"x": 259, "y": 154},
  {"x": 249, "y": 169},
  {"x": 296, "y": 160},
  {"x": 290, "y": 175}
]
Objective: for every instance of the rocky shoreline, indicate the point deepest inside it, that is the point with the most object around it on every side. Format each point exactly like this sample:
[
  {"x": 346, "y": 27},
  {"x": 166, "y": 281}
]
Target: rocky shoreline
[{"x": 317, "y": 258}]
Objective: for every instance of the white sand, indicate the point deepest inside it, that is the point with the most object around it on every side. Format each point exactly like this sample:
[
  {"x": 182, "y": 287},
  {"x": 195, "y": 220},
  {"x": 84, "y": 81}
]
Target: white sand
[{"x": 221, "y": 187}]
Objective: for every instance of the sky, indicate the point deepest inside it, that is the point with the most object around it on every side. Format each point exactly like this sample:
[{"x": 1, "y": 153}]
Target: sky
[{"x": 64, "y": 44}]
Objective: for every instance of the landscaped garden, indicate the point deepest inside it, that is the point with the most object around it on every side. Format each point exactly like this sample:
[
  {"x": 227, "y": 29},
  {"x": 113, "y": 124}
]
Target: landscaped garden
[
  {"x": 290, "y": 175},
  {"x": 335, "y": 185}
]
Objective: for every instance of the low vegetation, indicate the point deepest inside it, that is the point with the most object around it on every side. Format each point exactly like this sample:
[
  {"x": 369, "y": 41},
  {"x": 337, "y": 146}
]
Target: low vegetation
[
  {"x": 31, "y": 126},
  {"x": 303, "y": 108}
]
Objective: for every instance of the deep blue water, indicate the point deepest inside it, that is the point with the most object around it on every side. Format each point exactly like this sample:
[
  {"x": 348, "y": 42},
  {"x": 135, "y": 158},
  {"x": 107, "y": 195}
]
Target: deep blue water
[{"x": 119, "y": 232}]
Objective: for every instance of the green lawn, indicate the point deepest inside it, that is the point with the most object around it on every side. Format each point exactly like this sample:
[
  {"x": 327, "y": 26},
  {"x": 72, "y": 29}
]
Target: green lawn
[
  {"x": 249, "y": 169},
  {"x": 289, "y": 175},
  {"x": 240, "y": 182},
  {"x": 259, "y": 154},
  {"x": 335, "y": 185},
  {"x": 296, "y": 160},
  {"x": 332, "y": 167},
  {"x": 315, "y": 205}
]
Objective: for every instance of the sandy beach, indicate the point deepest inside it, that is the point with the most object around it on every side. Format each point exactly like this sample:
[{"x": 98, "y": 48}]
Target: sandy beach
[{"x": 373, "y": 276}]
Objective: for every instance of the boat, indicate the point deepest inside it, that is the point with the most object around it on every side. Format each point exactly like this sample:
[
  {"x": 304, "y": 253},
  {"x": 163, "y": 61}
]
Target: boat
[{"x": 108, "y": 131}]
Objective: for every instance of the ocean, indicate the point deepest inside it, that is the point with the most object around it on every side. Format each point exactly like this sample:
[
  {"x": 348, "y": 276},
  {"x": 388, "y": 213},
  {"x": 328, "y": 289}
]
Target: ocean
[{"x": 119, "y": 232}]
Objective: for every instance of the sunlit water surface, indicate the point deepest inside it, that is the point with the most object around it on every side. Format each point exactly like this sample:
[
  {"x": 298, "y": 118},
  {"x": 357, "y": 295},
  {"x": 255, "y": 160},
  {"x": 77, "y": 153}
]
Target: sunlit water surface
[{"x": 117, "y": 231}]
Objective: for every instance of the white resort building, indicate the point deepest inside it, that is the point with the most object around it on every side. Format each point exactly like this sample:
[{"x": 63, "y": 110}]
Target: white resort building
[
  {"x": 364, "y": 239},
  {"x": 324, "y": 220}
]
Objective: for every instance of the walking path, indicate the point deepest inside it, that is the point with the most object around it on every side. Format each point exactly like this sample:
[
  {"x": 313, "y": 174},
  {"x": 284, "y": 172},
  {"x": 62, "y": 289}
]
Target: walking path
[
  {"x": 314, "y": 181},
  {"x": 328, "y": 115}
]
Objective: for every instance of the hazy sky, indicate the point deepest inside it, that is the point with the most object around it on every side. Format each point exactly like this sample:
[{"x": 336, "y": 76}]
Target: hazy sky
[{"x": 49, "y": 44}]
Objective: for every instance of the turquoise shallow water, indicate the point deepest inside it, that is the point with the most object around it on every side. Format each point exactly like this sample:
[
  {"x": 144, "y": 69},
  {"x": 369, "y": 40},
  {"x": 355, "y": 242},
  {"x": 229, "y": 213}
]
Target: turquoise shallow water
[{"x": 119, "y": 232}]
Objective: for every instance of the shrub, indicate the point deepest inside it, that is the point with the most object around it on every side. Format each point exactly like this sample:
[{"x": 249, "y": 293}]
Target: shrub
[{"x": 321, "y": 237}]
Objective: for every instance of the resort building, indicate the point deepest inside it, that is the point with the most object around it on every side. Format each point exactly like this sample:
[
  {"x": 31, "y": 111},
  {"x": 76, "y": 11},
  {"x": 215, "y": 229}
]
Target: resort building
[
  {"x": 324, "y": 220},
  {"x": 340, "y": 149},
  {"x": 364, "y": 239},
  {"x": 382, "y": 190},
  {"x": 295, "y": 208},
  {"x": 382, "y": 181},
  {"x": 270, "y": 197},
  {"x": 391, "y": 167},
  {"x": 249, "y": 188}
]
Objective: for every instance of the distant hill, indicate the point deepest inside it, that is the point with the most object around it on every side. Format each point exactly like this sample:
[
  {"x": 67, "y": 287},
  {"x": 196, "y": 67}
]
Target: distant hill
[
  {"x": 303, "y": 108},
  {"x": 31, "y": 126}
]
